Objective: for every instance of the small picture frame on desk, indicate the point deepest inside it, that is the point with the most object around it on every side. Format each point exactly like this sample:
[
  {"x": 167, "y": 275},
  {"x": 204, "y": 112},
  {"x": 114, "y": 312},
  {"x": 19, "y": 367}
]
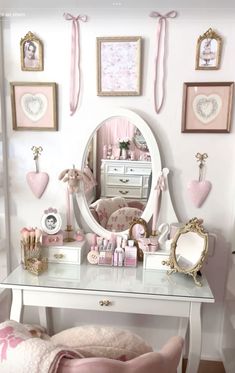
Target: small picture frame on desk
[{"x": 51, "y": 222}]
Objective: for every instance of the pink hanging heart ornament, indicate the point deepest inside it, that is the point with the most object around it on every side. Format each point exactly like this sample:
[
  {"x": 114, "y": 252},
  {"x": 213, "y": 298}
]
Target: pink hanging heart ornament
[
  {"x": 198, "y": 191},
  {"x": 37, "y": 182}
]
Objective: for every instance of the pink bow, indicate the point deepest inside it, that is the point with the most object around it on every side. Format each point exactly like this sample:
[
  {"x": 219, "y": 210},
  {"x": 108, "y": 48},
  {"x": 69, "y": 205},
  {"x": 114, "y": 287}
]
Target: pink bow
[
  {"x": 75, "y": 74},
  {"x": 161, "y": 183},
  {"x": 160, "y": 62}
]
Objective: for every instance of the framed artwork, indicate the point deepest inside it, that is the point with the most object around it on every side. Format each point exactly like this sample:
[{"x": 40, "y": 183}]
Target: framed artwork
[
  {"x": 31, "y": 53},
  {"x": 208, "y": 53},
  {"x": 34, "y": 106},
  {"x": 51, "y": 222},
  {"x": 118, "y": 66},
  {"x": 207, "y": 107}
]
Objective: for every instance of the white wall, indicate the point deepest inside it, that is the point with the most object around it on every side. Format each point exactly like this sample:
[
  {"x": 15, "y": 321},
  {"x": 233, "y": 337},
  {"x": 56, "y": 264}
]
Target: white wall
[{"x": 65, "y": 147}]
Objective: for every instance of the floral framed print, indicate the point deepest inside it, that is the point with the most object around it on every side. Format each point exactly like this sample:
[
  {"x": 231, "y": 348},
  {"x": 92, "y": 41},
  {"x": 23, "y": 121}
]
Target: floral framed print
[
  {"x": 31, "y": 53},
  {"x": 119, "y": 66},
  {"x": 34, "y": 106},
  {"x": 208, "y": 53},
  {"x": 207, "y": 107}
]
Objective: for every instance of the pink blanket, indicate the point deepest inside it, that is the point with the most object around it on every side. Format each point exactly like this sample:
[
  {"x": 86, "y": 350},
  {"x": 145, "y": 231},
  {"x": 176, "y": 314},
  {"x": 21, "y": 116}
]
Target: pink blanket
[{"x": 21, "y": 353}]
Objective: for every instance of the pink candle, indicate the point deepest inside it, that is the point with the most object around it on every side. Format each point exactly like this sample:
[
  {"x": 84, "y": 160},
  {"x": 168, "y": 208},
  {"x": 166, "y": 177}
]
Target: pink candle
[{"x": 68, "y": 208}]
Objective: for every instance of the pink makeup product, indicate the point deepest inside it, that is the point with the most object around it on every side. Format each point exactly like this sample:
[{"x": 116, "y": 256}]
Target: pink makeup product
[
  {"x": 93, "y": 257},
  {"x": 130, "y": 255}
]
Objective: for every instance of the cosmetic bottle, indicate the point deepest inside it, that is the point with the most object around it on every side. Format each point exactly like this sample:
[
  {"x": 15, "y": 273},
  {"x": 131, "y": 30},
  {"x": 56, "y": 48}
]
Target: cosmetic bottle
[
  {"x": 93, "y": 256},
  {"x": 130, "y": 255},
  {"x": 119, "y": 253}
]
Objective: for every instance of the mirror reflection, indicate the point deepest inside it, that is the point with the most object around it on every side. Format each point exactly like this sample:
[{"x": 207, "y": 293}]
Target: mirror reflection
[
  {"x": 119, "y": 162},
  {"x": 189, "y": 250}
]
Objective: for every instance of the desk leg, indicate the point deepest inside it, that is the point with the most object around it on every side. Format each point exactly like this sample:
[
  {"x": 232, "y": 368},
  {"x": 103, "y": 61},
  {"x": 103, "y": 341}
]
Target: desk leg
[
  {"x": 195, "y": 338},
  {"x": 16, "y": 305},
  {"x": 183, "y": 326},
  {"x": 45, "y": 319}
]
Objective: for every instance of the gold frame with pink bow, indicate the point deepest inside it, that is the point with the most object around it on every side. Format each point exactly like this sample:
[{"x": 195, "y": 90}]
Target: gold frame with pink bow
[{"x": 207, "y": 107}]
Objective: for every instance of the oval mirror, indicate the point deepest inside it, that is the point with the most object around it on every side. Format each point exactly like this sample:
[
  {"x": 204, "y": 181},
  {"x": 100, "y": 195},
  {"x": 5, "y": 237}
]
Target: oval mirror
[
  {"x": 189, "y": 249},
  {"x": 122, "y": 188}
]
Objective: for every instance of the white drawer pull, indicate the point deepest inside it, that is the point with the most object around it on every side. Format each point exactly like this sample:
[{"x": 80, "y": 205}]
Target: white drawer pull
[
  {"x": 115, "y": 169},
  {"x": 123, "y": 191},
  {"x": 58, "y": 256},
  {"x": 104, "y": 303},
  {"x": 124, "y": 180}
]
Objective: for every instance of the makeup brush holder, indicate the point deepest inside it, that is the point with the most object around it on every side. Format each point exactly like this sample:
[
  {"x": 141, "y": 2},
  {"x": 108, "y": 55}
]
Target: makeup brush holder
[{"x": 32, "y": 259}]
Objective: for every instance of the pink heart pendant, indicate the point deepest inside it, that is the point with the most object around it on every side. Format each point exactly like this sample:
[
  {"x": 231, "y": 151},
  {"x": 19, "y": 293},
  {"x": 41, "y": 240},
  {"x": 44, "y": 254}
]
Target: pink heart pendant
[
  {"x": 37, "y": 182},
  {"x": 198, "y": 191}
]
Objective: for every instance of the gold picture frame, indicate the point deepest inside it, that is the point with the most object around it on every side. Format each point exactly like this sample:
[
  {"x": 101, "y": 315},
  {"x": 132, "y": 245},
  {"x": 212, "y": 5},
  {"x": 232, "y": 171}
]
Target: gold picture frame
[
  {"x": 31, "y": 53},
  {"x": 119, "y": 66},
  {"x": 34, "y": 106},
  {"x": 208, "y": 54},
  {"x": 207, "y": 107}
]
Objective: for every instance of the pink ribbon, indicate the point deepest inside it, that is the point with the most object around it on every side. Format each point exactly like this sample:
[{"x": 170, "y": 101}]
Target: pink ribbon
[
  {"x": 160, "y": 56},
  {"x": 75, "y": 74}
]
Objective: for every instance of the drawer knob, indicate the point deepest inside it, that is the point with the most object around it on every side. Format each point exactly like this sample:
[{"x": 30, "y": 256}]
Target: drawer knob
[
  {"x": 124, "y": 180},
  {"x": 115, "y": 169},
  {"x": 123, "y": 191},
  {"x": 58, "y": 256},
  {"x": 104, "y": 302}
]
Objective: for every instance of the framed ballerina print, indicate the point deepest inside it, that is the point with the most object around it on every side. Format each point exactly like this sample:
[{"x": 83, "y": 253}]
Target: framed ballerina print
[
  {"x": 207, "y": 107},
  {"x": 118, "y": 66},
  {"x": 34, "y": 106},
  {"x": 208, "y": 53}
]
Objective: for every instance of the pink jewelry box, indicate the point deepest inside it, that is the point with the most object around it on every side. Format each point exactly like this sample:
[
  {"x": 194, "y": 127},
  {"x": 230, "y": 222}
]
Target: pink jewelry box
[{"x": 52, "y": 239}]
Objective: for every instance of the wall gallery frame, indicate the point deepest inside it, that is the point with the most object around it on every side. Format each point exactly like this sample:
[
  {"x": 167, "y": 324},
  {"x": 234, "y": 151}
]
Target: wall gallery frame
[
  {"x": 208, "y": 53},
  {"x": 31, "y": 53},
  {"x": 207, "y": 107},
  {"x": 119, "y": 66},
  {"x": 34, "y": 106}
]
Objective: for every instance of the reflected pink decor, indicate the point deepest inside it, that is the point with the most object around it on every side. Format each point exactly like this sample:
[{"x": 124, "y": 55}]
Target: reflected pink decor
[
  {"x": 37, "y": 182},
  {"x": 161, "y": 57},
  {"x": 198, "y": 191}
]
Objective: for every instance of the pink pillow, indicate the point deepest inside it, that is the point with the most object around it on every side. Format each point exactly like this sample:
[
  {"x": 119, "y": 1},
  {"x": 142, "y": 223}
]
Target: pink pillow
[
  {"x": 164, "y": 361},
  {"x": 102, "y": 341},
  {"x": 121, "y": 219}
]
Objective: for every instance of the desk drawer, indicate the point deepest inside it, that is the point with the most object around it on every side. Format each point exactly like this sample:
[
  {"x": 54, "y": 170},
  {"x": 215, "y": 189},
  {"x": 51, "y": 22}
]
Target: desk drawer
[
  {"x": 123, "y": 192},
  {"x": 115, "y": 169},
  {"x": 106, "y": 303},
  {"x": 124, "y": 180},
  {"x": 134, "y": 170}
]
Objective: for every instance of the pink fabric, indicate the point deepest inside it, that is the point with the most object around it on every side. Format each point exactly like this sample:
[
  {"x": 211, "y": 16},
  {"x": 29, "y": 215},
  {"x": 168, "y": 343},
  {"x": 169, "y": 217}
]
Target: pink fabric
[
  {"x": 121, "y": 219},
  {"x": 164, "y": 361},
  {"x": 75, "y": 73},
  {"x": 106, "y": 206},
  {"x": 159, "y": 188},
  {"x": 160, "y": 57}
]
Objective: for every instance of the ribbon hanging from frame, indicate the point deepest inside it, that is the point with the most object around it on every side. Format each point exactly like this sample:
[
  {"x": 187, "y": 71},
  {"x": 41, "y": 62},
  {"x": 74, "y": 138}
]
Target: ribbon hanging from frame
[
  {"x": 75, "y": 73},
  {"x": 160, "y": 60}
]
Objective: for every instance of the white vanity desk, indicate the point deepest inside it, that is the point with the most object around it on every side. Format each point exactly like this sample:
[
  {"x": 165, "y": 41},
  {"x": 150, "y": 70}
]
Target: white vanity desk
[{"x": 109, "y": 289}]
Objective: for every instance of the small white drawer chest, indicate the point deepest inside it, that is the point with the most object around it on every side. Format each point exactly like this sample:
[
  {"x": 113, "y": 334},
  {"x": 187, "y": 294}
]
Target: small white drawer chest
[{"x": 125, "y": 178}]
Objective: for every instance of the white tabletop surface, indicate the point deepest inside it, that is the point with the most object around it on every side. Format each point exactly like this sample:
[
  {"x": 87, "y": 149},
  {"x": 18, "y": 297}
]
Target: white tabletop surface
[{"x": 132, "y": 281}]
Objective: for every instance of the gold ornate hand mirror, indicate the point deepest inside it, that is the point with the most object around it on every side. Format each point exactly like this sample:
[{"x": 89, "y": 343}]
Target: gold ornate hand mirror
[{"x": 189, "y": 249}]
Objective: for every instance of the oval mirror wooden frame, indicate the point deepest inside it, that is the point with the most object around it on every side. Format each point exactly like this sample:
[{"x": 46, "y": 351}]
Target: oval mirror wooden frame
[
  {"x": 156, "y": 168},
  {"x": 194, "y": 225},
  {"x": 131, "y": 235}
]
